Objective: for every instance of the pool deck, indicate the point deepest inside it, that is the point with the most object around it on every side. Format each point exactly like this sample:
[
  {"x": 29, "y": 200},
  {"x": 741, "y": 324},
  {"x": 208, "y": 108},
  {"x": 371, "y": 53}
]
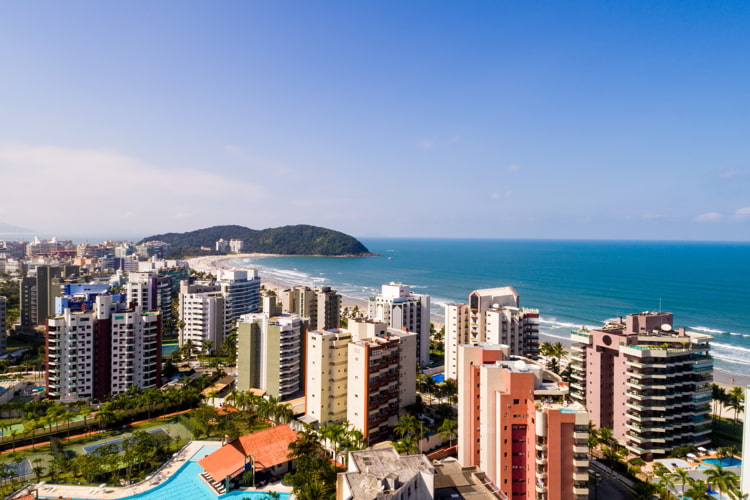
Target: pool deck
[{"x": 114, "y": 492}]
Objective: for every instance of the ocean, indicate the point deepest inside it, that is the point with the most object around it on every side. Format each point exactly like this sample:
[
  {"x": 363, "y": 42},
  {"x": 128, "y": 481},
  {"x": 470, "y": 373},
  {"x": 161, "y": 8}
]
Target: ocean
[{"x": 572, "y": 283}]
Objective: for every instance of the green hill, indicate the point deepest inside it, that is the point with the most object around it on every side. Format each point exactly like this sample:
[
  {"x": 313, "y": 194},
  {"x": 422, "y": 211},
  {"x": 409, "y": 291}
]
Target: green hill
[{"x": 287, "y": 240}]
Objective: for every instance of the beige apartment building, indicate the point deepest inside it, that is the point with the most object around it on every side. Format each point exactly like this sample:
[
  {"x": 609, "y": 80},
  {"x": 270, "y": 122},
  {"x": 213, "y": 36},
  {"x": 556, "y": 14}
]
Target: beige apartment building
[
  {"x": 364, "y": 375},
  {"x": 319, "y": 305}
]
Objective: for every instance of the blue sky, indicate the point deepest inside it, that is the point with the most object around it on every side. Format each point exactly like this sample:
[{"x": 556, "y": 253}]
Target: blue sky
[{"x": 433, "y": 119}]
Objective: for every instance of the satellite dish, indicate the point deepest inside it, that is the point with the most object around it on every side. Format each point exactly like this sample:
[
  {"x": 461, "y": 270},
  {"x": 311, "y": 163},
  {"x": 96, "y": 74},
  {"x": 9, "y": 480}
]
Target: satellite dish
[
  {"x": 666, "y": 327},
  {"x": 520, "y": 365},
  {"x": 496, "y": 306}
]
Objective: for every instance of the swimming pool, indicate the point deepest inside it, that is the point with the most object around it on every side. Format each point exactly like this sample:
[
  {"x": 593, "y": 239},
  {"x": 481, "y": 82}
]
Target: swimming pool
[
  {"x": 186, "y": 483},
  {"x": 724, "y": 462},
  {"x": 439, "y": 378}
]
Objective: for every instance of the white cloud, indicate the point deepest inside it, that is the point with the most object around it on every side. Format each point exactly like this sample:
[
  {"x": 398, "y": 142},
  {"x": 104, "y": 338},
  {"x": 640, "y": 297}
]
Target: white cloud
[
  {"x": 742, "y": 213},
  {"x": 513, "y": 168},
  {"x": 426, "y": 144},
  {"x": 82, "y": 190},
  {"x": 497, "y": 196},
  {"x": 709, "y": 217},
  {"x": 729, "y": 173}
]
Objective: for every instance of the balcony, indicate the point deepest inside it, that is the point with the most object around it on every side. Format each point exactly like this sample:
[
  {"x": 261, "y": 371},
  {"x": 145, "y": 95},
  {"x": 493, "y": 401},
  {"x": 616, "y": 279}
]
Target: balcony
[{"x": 580, "y": 462}]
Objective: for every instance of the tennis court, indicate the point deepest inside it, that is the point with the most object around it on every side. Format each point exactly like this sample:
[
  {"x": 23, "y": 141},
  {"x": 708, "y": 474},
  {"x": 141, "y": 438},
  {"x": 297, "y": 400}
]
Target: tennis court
[{"x": 92, "y": 448}]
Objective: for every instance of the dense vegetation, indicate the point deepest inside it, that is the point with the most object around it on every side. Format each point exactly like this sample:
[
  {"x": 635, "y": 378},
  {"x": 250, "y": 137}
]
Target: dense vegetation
[{"x": 287, "y": 240}]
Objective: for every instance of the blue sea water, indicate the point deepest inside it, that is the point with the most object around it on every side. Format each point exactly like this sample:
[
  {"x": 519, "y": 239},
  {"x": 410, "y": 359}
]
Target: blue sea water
[{"x": 573, "y": 283}]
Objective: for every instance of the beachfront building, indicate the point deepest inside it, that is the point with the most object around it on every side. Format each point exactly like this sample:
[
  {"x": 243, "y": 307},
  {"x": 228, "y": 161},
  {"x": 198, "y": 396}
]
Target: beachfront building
[
  {"x": 150, "y": 291},
  {"x": 222, "y": 245},
  {"x": 492, "y": 315},
  {"x": 202, "y": 315},
  {"x": 401, "y": 309},
  {"x": 319, "y": 305},
  {"x": 364, "y": 374},
  {"x": 645, "y": 380},
  {"x": 105, "y": 350},
  {"x": 235, "y": 246},
  {"x": 241, "y": 291},
  {"x": 3, "y": 324},
  {"x": 514, "y": 425},
  {"x": 270, "y": 354}
]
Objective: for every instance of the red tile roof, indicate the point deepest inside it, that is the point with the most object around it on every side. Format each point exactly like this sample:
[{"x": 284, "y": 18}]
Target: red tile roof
[{"x": 268, "y": 448}]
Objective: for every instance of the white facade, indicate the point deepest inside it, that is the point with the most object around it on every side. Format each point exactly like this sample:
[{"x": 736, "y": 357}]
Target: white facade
[
  {"x": 236, "y": 245},
  {"x": 401, "y": 309},
  {"x": 222, "y": 245},
  {"x": 241, "y": 290},
  {"x": 493, "y": 315},
  {"x": 456, "y": 334},
  {"x": 135, "y": 349},
  {"x": 102, "y": 351},
  {"x": 202, "y": 312}
]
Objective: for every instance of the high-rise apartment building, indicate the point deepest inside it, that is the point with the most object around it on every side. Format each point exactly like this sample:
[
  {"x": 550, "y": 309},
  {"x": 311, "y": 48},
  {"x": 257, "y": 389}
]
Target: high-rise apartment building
[
  {"x": 645, "y": 380},
  {"x": 270, "y": 354},
  {"x": 513, "y": 424},
  {"x": 381, "y": 380},
  {"x": 38, "y": 292},
  {"x": 202, "y": 313},
  {"x": 492, "y": 315},
  {"x": 92, "y": 353},
  {"x": 3, "y": 324},
  {"x": 319, "y": 305},
  {"x": 150, "y": 291},
  {"x": 241, "y": 291},
  {"x": 364, "y": 374},
  {"x": 235, "y": 246},
  {"x": 401, "y": 309},
  {"x": 326, "y": 364}
]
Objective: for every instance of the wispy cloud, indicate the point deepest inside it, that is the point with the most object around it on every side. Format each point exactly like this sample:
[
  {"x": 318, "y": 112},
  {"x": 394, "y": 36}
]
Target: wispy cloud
[
  {"x": 498, "y": 196},
  {"x": 266, "y": 165},
  {"x": 426, "y": 144},
  {"x": 742, "y": 213},
  {"x": 513, "y": 168},
  {"x": 113, "y": 187},
  {"x": 709, "y": 217},
  {"x": 730, "y": 173}
]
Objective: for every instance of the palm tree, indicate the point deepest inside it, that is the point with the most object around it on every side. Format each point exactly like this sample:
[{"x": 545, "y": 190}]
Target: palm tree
[
  {"x": 666, "y": 481},
  {"x": 408, "y": 425},
  {"x": 683, "y": 477},
  {"x": 723, "y": 480},
  {"x": 736, "y": 399},
  {"x": 334, "y": 433},
  {"x": 13, "y": 434},
  {"x": 718, "y": 398},
  {"x": 698, "y": 490},
  {"x": 85, "y": 411},
  {"x": 448, "y": 430},
  {"x": 545, "y": 349},
  {"x": 408, "y": 445},
  {"x": 430, "y": 385}
]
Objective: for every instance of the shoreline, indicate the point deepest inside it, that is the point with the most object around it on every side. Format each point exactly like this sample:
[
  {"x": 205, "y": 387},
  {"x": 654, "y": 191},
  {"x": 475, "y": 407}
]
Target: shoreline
[{"x": 213, "y": 263}]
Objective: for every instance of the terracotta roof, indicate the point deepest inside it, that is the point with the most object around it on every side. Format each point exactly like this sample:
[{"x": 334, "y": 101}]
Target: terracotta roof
[{"x": 268, "y": 448}]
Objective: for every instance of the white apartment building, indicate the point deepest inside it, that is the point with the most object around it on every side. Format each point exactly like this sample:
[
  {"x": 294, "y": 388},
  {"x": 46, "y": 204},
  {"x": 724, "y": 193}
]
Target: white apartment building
[
  {"x": 222, "y": 245},
  {"x": 270, "y": 354},
  {"x": 241, "y": 290},
  {"x": 494, "y": 316},
  {"x": 401, "y": 309},
  {"x": 235, "y": 246},
  {"x": 202, "y": 311},
  {"x": 93, "y": 353}
]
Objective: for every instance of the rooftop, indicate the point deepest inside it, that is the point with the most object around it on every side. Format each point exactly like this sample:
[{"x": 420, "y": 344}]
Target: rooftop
[
  {"x": 267, "y": 448},
  {"x": 468, "y": 482},
  {"x": 381, "y": 470}
]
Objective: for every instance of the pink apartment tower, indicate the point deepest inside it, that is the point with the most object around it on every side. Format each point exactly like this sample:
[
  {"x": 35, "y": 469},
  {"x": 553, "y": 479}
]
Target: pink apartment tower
[
  {"x": 645, "y": 380},
  {"x": 514, "y": 425}
]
